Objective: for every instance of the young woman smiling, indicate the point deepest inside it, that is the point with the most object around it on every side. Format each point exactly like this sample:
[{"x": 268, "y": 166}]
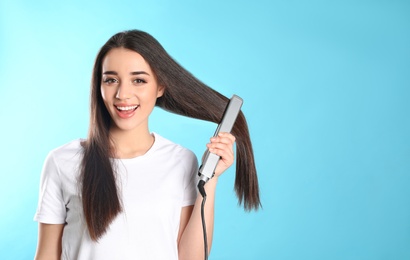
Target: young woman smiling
[{"x": 126, "y": 192}]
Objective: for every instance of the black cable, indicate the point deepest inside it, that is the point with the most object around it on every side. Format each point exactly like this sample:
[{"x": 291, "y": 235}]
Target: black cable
[{"x": 201, "y": 189}]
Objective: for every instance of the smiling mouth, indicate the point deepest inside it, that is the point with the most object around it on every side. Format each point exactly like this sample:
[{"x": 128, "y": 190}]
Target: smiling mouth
[{"x": 126, "y": 108}]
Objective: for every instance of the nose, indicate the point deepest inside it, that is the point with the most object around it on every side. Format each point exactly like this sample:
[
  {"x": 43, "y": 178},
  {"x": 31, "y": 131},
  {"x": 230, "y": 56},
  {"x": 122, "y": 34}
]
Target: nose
[{"x": 124, "y": 91}]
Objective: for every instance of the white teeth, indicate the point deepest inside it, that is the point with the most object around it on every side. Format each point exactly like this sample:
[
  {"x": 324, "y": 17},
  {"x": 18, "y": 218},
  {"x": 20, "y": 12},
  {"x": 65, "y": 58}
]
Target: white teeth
[{"x": 127, "y": 108}]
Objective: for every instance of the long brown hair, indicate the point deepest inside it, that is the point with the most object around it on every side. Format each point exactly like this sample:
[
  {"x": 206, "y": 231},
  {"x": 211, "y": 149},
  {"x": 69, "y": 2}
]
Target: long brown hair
[{"x": 185, "y": 95}]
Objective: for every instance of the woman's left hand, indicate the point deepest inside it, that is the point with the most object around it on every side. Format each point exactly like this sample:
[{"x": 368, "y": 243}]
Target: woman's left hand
[{"x": 222, "y": 145}]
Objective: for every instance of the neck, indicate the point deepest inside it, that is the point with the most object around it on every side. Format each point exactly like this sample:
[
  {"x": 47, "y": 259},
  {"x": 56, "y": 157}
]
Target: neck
[{"x": 130, "y": 144}]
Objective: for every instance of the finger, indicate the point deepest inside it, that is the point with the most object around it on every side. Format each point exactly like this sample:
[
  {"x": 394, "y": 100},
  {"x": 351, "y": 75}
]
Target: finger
[
  {"x": 226, "y": 156},
  {"x": 223, "y": 139},
  {"x": 227, "y": 135},
  {"x": 220, "y": 146}
]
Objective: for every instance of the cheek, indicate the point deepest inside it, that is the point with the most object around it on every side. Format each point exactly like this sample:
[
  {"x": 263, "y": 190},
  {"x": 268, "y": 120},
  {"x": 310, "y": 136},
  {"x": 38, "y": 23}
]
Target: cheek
[
  {"x": 105, "y": 93},
  {"x": 105, "y": 97},
  {"x": 147, "y": 95}
]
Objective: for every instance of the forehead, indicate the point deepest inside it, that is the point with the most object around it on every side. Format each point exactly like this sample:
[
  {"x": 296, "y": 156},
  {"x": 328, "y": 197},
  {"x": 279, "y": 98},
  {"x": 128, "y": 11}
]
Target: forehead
[{"x": 124, "y": 60}]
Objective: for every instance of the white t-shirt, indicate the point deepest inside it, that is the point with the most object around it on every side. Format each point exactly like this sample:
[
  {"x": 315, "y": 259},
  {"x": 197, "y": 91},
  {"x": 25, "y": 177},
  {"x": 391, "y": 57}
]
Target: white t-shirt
[{"x": 154, "y": 187}]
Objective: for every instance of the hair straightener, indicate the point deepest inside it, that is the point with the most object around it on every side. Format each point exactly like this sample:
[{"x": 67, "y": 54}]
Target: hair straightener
[{"x": 207, "y": 169}]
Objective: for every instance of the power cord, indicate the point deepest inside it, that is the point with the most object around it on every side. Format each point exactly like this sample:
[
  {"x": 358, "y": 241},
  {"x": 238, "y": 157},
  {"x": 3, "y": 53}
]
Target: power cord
[{"x": 201, "y": 189}]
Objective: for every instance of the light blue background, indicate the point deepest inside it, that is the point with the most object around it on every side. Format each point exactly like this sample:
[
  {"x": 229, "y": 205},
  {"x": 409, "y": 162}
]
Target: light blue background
[{"x": 326, "y": 91}]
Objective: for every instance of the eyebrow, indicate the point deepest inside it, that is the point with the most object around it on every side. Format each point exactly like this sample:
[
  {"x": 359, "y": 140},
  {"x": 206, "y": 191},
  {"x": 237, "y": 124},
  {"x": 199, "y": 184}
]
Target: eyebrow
[{"x": 110, "y": 72}]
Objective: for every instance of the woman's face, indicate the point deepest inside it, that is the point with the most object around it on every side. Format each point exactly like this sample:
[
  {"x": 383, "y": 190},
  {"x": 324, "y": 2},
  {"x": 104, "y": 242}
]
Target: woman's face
[{"x": 129, "y": 89}]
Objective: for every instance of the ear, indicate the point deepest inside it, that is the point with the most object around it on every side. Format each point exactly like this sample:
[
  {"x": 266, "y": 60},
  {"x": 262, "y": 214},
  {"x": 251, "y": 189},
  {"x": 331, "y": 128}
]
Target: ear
[{"x": 160, "y": 91}]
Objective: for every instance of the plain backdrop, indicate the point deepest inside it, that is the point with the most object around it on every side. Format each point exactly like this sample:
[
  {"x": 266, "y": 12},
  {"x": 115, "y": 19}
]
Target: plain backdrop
[{"x": 326, "y": 88}]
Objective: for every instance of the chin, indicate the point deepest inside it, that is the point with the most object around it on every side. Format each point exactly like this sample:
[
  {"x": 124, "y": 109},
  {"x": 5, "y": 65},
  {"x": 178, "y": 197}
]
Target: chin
[{"x": 127, "y": 127}]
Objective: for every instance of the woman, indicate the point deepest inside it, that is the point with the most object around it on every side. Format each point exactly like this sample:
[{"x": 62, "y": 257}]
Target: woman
[{"x": 126, "y": 193}]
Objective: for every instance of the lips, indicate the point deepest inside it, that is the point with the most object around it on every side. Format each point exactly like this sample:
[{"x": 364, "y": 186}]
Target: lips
[{"x": 125, "y": 111}]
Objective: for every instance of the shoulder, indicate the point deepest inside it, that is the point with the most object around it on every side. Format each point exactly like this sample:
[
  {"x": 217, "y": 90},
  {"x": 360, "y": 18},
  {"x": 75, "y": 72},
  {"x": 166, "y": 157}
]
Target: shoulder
[
  {"x": 61, "y": 164},
  {"x": 163, "y": 145},
  {"x": 67, "y": 152},
  {"x": 174, "y": 156}
]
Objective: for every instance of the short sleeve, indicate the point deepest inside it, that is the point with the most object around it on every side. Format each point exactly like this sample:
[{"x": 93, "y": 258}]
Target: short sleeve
[
  {"x": 51, "y": 207},
  {"x": 190, "y": 180}
]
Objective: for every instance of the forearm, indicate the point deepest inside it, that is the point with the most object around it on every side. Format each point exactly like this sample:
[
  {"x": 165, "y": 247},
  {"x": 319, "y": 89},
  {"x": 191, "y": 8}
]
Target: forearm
[
  {"x": 49, "y": 242},
  {"x": 191, "y": 244}
]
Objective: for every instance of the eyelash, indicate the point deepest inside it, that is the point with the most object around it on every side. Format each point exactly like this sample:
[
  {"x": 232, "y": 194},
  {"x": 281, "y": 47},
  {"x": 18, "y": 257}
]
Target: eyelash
[
  {"x": 111, "y": 80},
  {"x": 139, "y": 81}
]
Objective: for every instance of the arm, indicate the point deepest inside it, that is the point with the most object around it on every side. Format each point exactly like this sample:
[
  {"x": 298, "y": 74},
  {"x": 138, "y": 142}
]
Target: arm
[
  {"x": 49, "y": 241},
  {"x": 190, "y": 238}
]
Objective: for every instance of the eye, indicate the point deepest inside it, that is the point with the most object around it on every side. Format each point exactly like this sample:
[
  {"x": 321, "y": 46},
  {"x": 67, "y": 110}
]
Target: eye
[
  {"x": 139, "y": 81},
  {"x": 110, "y": 80}
]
